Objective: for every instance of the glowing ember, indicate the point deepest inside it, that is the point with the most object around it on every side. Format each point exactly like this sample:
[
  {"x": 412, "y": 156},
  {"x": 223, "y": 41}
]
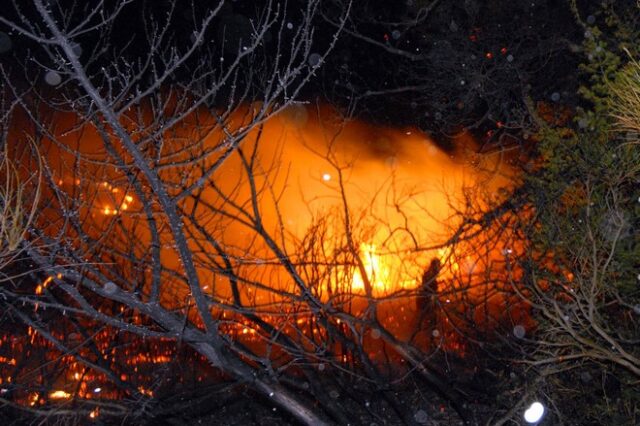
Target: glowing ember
[
  {"x": 34, "y": 399},
  {"x": 59, "y": 394},
  {"x": 146, "y": 392},
  {"x": 10, "y": 361}
]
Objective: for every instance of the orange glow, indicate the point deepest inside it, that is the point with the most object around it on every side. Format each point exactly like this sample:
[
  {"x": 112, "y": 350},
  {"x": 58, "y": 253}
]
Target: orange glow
[
  {"x": 5, "y": 360},
  {"x": 34, "y": 399},
  {"x": 379, "y": 272},
  {"x": 146, "y": 392},
  {"x": 388, "y": 176},
  {"x": 59, "y": 394},
  {"x": 402, "y": 191}
]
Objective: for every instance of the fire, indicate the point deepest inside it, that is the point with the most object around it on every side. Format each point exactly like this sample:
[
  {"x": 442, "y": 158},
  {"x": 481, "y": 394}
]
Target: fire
[
  {"x": 59, "y": 394},
  {"x": 145, "y": 391},
  {"x": 33, "y": 400},
  {"x": 381, "y": 273},
  {"x": 400, "y": 189},
  {"x": 5, "y": 360}
]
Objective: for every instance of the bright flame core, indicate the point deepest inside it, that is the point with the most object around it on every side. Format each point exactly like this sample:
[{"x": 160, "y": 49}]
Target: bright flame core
[
  {"x": 379, "y": 270},
  {"x": 59, "y": 394}
]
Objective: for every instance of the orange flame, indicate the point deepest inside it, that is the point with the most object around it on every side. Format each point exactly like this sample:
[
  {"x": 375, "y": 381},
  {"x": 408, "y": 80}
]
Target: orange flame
[{"x": 379, "y": 272}]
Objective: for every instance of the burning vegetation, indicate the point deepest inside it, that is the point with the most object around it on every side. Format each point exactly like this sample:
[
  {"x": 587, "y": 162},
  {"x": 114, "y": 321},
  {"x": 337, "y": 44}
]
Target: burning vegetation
[
  {"x": 188, "y": 229},
  {"x": 314, "y": 233}
]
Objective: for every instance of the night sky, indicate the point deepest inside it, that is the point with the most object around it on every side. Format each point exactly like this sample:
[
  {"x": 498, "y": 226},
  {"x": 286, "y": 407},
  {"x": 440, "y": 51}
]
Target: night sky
[{"x": 456, "y": 66}]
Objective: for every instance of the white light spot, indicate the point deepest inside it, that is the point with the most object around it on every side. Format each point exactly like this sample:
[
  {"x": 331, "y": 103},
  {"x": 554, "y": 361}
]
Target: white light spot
[
  {"x": 555, "y": 96},
  {"x": 421, "y": 417},
  {"x": 519, "y": 331},
  {"x": 435, "y": 333},
  {"x": 314, "y": 59},
  {"x": 97, "y": 390},
  {"x": 52, "y": 78},
  {"x": 110, "y": 287},
  {"x": 395, "y": 34},
  {"x": 534, "y": 413},
  {"x": 509, "y": 58},
  {"x": 289, "y": 26},
  {"x": 326, "y": 177}
]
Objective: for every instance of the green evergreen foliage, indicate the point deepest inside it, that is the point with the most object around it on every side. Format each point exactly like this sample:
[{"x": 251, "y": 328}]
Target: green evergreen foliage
[{"x": 582, "y": 267}]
